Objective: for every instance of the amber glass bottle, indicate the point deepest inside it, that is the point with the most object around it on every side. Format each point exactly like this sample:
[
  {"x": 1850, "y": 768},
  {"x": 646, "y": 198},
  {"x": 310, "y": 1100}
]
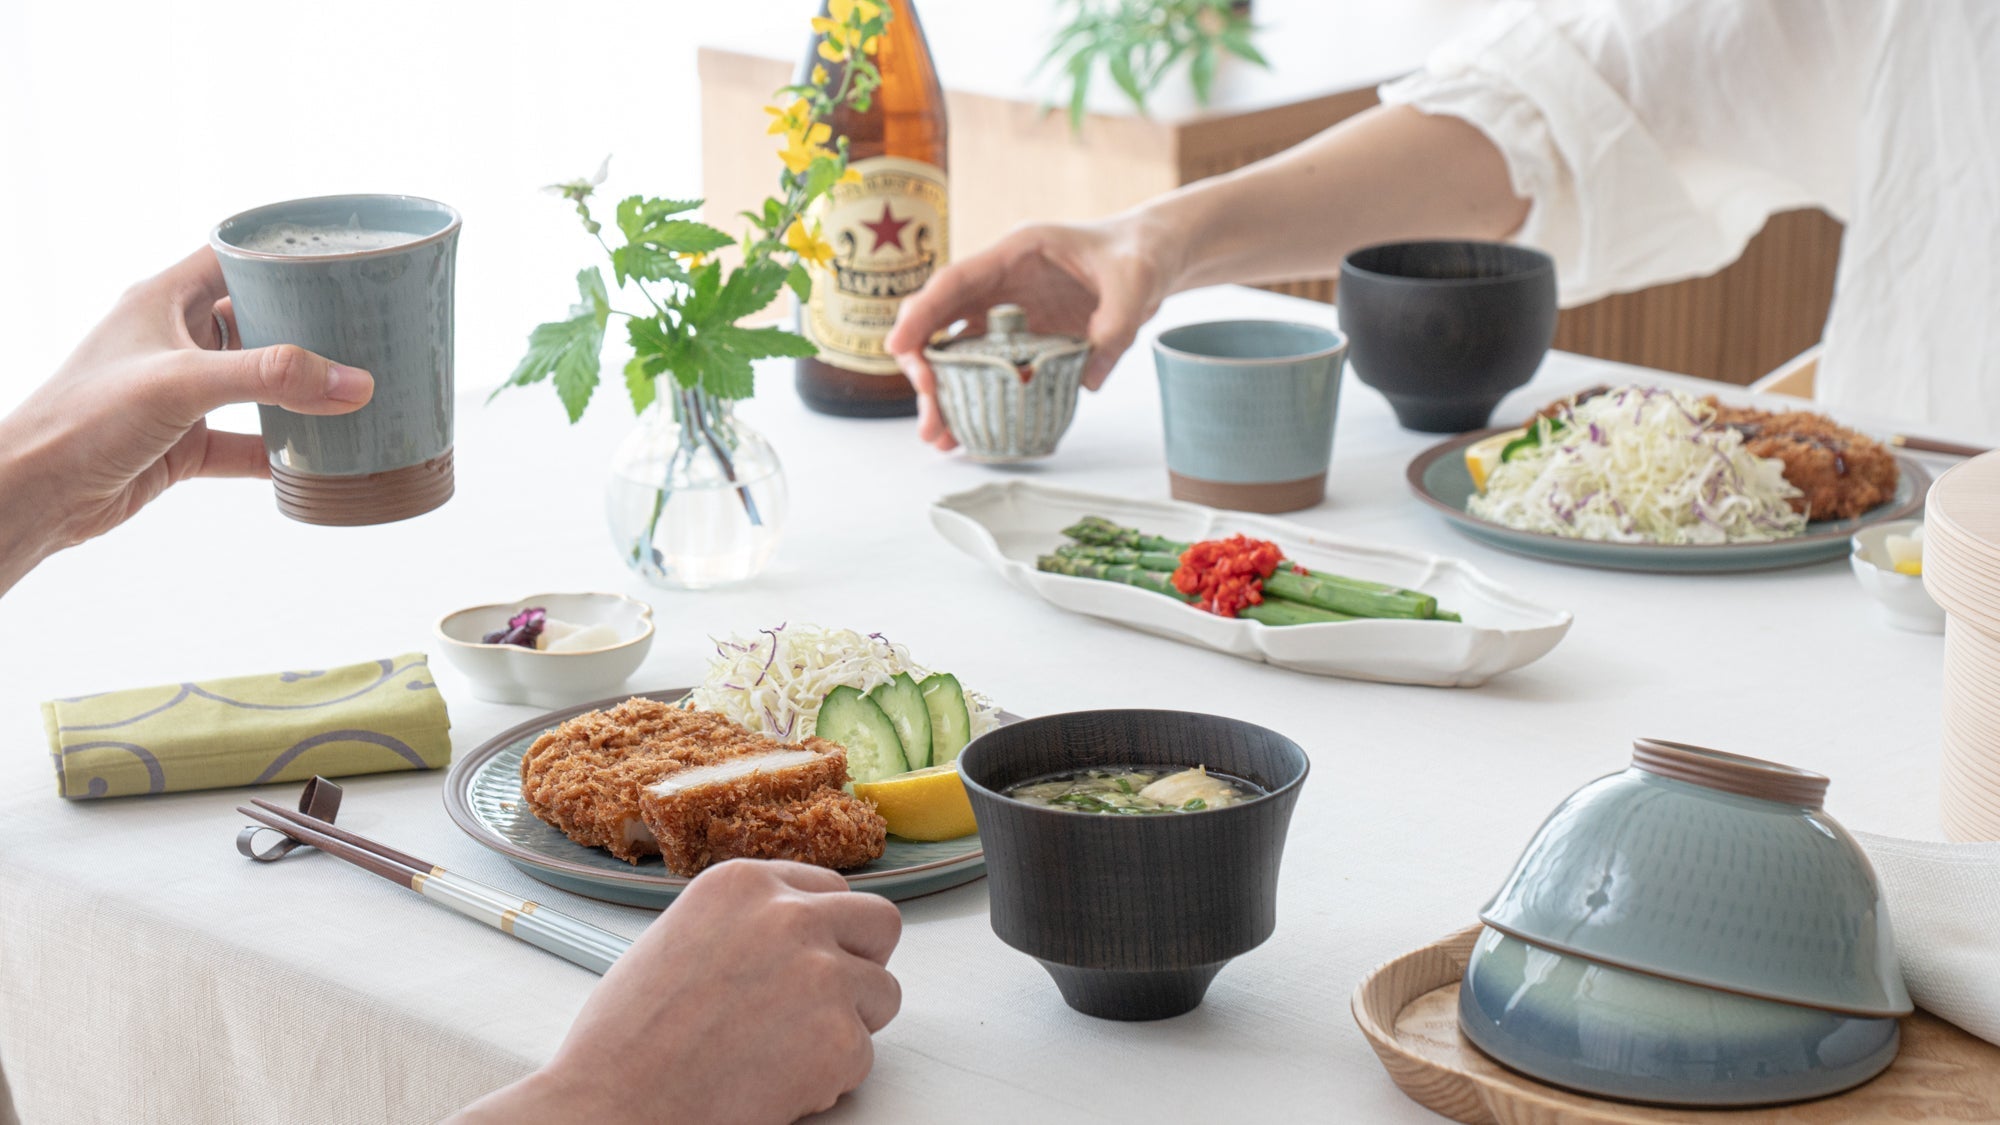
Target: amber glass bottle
[{"x": 889, "y": 232}]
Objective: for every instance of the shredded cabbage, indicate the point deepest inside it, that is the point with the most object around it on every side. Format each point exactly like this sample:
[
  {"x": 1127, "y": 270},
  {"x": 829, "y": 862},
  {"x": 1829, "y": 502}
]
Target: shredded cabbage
[
  {"x": 1642, "y": 465},
  {"x": 775, "y": 680}
]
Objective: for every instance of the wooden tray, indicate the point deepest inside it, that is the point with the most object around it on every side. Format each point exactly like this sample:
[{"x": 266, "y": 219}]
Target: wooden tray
[{"x": 1408, "y": 1009}]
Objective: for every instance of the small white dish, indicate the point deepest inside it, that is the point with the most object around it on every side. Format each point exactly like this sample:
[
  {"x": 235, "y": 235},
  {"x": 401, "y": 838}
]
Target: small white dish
[
  {"x": 512, "y": 674},
  {"x": 1902, "y": 596},
  {"x": 1007, "y": 524}
]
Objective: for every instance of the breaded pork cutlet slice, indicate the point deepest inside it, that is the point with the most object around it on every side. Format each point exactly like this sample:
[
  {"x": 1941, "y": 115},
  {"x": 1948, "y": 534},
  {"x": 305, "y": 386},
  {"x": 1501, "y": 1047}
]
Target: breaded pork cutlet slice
[
  {"x": 783, "y": 803},
  {"x": 584, "y": 776},
  {"x": 1841, "y": 472}
]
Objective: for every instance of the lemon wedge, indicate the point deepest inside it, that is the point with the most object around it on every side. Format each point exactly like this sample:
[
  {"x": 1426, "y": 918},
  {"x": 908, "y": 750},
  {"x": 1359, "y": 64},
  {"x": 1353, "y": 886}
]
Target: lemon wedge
[
  {"x": 926, "y": 804},
  {"x": 1906, "y": 552},
  {"x": 1481, "y": 457}
]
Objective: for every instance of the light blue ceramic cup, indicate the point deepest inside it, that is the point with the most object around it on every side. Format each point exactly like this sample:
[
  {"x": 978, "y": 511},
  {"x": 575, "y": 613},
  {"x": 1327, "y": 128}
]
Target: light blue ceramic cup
[
  {"x": 386, "y": 310},
  {"x": 1249, "y": 407}
]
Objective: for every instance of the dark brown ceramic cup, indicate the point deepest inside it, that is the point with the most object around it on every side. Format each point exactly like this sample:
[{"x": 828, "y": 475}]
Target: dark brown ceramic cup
[
  {"x": 1445, "y": 329},
  {"x": 1133, "y": 915}
]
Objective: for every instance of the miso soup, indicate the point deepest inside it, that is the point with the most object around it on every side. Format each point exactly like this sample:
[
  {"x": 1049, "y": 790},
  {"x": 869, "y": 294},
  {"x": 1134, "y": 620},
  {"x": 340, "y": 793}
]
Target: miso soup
[{"x": 1144, "y": 791}]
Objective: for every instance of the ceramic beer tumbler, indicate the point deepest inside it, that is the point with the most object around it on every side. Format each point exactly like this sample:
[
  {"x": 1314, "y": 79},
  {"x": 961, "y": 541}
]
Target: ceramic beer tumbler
[
  {"x": 366, "y": 281},
  {"x": 1249, "y": 408}
]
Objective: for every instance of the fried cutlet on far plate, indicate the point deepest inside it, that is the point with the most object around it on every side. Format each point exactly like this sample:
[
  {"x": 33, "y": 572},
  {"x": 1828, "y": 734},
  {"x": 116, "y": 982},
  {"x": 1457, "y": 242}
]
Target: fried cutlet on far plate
[
  {"x": 1841, "y": 472},
  {"x": 584, "y": 776},
  {"x": 783, "y": 803}
]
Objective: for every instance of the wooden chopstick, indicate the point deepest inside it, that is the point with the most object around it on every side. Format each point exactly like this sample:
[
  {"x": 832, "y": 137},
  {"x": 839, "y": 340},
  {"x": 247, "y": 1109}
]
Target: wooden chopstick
[
  {"x": 572, "y": 939},
  {"x": 1932, "y": 445}
]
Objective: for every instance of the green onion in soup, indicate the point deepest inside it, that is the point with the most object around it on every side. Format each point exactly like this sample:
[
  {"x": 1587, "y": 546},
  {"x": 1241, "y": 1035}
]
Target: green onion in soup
[{"x": 1134, "y": 792}]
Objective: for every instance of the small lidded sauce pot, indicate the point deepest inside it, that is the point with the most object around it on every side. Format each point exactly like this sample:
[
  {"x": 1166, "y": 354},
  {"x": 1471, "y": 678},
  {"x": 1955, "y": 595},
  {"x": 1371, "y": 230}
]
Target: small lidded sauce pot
[{"x": 1008, "y": 395}]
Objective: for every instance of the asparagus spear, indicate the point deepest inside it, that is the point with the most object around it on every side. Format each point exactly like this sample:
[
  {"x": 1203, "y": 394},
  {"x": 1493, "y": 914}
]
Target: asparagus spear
[
  {"x": 1121, "y": 556},
  {"x": 1273, "y": 611},
  {"x": 1351, "y": 596},
  {"x": 1100, "y": 532}
]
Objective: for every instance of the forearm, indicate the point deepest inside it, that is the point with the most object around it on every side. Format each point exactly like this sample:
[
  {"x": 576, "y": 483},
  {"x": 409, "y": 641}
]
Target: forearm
[
  {"x": 1388, "y": 174},
  {"x": 25, "y": 535}
]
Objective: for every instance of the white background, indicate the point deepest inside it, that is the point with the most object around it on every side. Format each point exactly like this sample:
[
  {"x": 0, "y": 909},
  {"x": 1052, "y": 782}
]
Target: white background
[{"x": 128, "y": 129}]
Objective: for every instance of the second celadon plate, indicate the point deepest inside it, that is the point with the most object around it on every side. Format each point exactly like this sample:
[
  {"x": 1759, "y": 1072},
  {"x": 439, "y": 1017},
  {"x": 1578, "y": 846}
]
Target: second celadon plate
[
  {"x": 483, "y": 795},
  {"x": 1008, "y": 524},
  {"x": 1439, "y": 478}
]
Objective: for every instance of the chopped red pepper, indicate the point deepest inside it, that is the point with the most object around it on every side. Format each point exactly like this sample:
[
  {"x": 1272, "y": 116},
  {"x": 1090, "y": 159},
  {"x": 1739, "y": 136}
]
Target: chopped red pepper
[{"x": 1228, "y": 574}]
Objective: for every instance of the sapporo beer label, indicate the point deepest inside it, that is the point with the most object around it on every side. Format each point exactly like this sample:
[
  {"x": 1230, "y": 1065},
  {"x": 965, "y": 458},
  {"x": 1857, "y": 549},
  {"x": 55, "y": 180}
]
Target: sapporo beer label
[{"x": 888, "y": 234}]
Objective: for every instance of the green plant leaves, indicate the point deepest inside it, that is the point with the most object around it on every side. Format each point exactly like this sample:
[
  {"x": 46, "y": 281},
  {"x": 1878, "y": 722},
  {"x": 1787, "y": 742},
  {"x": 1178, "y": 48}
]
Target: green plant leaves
[
  {"x": 1140, "y": 41},
  {"x": 749, "y": 289},
  {"x": 645, "y": 263},
  {"x": 569, "y": 349},
  {"x": 1201, "y": 71},
  {"x": 639, "y": 384},
  {"x": 683, "y": 236},
  {"x": 636, "y": 213}
]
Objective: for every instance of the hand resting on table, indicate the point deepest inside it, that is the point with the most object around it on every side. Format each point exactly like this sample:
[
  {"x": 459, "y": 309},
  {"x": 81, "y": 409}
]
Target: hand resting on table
[{"x": 751, "y": 999}]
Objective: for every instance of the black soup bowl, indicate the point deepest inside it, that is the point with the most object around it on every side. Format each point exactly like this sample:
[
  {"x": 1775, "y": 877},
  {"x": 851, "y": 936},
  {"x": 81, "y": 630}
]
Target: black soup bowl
[
  {"x": 1445, "y": 329},
  {"x": 1133, "y": 915}
]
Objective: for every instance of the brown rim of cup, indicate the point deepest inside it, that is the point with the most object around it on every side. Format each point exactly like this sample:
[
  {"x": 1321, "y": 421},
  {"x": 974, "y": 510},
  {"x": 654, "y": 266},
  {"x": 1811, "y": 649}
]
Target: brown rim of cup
[
  {"x": 367, "y": 498},
  {"x": 1730, "y": 773},
  {"x": 1267, "y": 498}
]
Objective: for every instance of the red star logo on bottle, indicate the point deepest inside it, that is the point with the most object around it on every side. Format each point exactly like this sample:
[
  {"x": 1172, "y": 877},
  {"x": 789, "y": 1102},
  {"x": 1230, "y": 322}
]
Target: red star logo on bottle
[{"x": 888, "y": 230}]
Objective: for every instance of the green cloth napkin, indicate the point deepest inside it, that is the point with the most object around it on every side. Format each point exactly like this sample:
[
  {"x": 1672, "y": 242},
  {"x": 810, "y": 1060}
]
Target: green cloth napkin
[{"x": 364, "y": 718}]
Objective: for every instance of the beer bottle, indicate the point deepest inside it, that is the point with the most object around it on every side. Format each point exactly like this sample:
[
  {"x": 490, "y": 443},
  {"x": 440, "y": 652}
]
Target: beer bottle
[{"x": 888, "y": 232}]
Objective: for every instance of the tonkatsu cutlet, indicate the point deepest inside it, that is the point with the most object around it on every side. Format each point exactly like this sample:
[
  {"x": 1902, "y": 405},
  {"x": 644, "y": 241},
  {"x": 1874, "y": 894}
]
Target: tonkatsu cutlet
[
  {"x": 774, "y": 804},
  {"x": 584, "y": 776},
  {"x": 1841, "y": 472}
]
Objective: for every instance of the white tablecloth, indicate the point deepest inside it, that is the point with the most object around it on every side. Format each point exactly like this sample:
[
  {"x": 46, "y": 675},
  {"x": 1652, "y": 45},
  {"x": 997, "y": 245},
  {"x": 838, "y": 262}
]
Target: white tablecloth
[{"x": 148, "y": 972}]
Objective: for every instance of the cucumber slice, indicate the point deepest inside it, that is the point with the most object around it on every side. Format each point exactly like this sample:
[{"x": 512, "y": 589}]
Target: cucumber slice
[
  {"x": 951, "y": 723},
  {"x": 904, "y": 704},
  {"x": 851, "y": 719}
]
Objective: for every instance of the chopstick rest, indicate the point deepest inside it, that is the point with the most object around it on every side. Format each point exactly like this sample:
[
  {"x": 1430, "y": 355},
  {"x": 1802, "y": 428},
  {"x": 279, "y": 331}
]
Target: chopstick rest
[
  {"x": 319, "y": 800},
  {"x": 574, "y": 940}
]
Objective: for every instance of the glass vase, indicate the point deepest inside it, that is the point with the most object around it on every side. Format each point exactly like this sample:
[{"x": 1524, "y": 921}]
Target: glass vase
[{"x": 696, "y": 497}]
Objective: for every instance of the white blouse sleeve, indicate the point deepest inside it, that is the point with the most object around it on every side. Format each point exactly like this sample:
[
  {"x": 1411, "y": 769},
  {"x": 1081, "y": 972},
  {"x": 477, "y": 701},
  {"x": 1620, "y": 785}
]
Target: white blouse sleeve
[{"x": 1654, "y": 137}]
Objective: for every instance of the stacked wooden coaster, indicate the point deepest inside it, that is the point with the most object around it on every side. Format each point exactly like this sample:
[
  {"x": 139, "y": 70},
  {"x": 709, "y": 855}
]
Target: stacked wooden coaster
[{"x": 1962, "y": 572}]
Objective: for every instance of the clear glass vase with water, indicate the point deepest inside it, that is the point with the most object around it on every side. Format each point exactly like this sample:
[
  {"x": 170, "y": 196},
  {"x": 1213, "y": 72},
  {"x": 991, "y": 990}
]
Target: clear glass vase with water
[{"x": 696, "y": 497}]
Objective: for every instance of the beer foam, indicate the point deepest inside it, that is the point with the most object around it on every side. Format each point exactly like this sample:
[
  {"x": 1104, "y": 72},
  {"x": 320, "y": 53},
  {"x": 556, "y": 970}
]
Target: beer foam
[{"x": 303, "y": 240}]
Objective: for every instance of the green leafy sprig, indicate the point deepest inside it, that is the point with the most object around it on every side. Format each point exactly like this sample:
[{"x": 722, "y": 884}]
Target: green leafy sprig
[
  {"x": 689, "y": 327},
  {"x": 1139, "y": 41}
]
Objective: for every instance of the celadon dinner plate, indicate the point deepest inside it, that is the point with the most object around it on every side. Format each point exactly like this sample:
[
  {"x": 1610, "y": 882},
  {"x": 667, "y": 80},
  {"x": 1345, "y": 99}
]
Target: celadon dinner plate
[
  {"x": 1439, "y": 478},
  {"x": 483, "y": 795},
  {"x": 1007, "y": 524}
]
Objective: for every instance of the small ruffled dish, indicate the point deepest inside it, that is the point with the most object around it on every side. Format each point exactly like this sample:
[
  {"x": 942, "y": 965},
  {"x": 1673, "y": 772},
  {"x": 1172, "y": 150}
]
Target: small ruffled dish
[
  {"x": 1904, "y": 601},
  {"x": 596, "y": 642}
]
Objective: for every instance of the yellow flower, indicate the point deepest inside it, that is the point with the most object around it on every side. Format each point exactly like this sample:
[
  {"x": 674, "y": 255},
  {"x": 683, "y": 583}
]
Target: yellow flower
[
  {"x": 692, "y": 260},
  {"x": 819, "y": 75},
  {"x": 841, "y": 28},
  {"x": 851, "y": 176},
  {"x": 801, "y": 149},
  {"x": 794, "y": 118},
  {"x": 807, "y": 244}
]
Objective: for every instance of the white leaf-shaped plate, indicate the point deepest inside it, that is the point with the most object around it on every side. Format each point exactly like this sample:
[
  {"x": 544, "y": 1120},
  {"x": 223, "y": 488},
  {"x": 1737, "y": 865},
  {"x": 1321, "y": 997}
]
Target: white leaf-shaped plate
[{"x": 1008, "y": 524}]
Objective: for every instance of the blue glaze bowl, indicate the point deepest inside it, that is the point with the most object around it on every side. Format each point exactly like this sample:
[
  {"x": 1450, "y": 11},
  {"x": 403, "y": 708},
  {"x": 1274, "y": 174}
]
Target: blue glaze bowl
[
  {"x": 1714, "y": 870},
  {"x": 1614, "y": 1033}
]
